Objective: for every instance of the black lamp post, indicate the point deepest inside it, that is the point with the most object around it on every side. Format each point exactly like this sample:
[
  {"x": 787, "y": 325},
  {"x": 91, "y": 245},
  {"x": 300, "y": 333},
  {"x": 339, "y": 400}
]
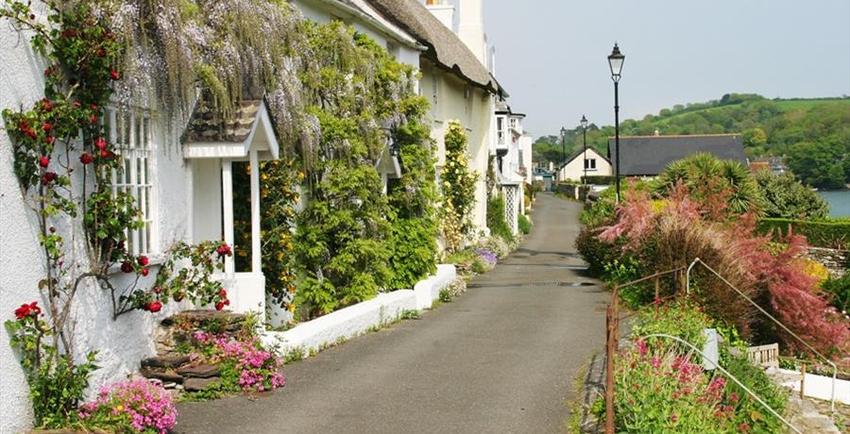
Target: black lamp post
[
  {"x": 584, "y": 141},
  {"x": 563, "y": 150},
  {"x": 615, "y": 61}
]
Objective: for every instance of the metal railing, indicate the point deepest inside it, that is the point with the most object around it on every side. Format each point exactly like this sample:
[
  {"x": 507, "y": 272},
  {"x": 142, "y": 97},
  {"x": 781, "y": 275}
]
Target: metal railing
[{"x": 772, "y": 318}]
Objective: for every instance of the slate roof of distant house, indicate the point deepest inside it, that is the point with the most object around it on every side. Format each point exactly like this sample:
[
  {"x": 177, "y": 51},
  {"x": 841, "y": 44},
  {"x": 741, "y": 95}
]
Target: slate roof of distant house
[
  {"x": 207, "y": 125},
  {"x": 649, "y": 155},
  {"x": 444, "y": 47}
]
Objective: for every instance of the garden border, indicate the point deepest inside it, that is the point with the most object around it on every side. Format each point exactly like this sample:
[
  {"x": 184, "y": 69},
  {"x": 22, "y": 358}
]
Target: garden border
[{"x": 312, "y": 336}]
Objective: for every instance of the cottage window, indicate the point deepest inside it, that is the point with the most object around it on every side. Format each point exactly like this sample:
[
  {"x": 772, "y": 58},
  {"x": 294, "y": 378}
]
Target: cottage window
[
  {"x": 590, "y": 163},
  {"x": 131, "y": 133}
]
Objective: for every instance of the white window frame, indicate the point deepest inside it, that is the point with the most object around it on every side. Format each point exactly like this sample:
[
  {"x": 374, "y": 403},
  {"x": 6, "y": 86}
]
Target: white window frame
[
  {"x": 137, "y": 148},
  {"x": 590, "y": 164}
]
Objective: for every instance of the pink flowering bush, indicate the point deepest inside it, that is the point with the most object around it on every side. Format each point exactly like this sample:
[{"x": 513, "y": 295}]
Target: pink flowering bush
[
  {"x": 245, "y": 364},
  {"x": 660, "y": 390},
  {"x": 131, "y": 406}
]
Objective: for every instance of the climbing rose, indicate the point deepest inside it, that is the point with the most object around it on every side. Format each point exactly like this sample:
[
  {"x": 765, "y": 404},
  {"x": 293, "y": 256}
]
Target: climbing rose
[
  {"x": 26, "y": 310},
  {"x": 100, "y": 143},
  {"x": 48, "y": 177},
  {"x": 219, "y": 305},
  {"x": 154, "y": 306},
  {"x": 47, "y": 126},
  {"x": 93, "y": 118},
  {"x": 127, "y": 267},
  {"x": 144, "y": 272},
  {"x": 44, "y": 161},
  {"x": 224, "y": 250},
  {"x": 115, "y": 75},
  {"x": 46, "y": 105},
  {"x": 86, "y": 158},
  {"x": 222, "y": 293},
  {"x": 50, "y": 140},
  {"x": 143, "y": 260}
]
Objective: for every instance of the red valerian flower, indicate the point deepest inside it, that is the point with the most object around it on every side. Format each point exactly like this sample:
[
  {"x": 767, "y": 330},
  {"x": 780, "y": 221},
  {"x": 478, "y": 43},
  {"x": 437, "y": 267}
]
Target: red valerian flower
[
  {"x": 114, "y": 75},
  {"x": 154, "y": 306},
  {"x": 143, "y": 260},
  {"x": 127, "y": 267},
  {"x": 44, "y": 161},
  {"x": 48, "y": 177},
  {"x": 86, "y": 158}
]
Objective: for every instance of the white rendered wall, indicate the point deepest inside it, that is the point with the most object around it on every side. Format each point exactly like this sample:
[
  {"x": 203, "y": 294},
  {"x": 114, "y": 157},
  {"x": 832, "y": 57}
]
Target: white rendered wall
[
  {"x": 121, "y": 344},
  {"x": 574, "y": 170}
]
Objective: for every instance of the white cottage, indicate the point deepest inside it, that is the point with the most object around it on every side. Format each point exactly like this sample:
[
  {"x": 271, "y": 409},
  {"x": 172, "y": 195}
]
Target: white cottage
[{"x": 584, "y": 163}]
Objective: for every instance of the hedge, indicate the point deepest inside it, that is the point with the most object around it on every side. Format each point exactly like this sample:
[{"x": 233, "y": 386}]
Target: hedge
[
  {"x": 598, "y": 180},
  {"x": 831, "y": 234}
]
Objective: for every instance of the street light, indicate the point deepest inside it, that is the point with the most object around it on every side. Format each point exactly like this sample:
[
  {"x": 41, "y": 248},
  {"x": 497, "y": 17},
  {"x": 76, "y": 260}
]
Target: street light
[
  {"x": 563, "y": 150},
  {"x": 615, "y": 61},
  {"x": 584, "y": 140}
]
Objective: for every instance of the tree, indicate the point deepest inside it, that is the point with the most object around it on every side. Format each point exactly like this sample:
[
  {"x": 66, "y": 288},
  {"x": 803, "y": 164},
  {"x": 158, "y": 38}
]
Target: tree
[
  {"x": 786, "y": 197},
  {"x": 818, "y": 164},
  {"x": 755, "y": 137}
]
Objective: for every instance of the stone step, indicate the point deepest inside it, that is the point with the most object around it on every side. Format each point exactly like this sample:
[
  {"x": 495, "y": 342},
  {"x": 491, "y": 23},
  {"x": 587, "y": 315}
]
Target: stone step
[
  {"x": 166, "y": 361},
  {"x": 198, "y": 384},
  {"x": 199, "y": 371},
  {"x": 166, "y": 375}
]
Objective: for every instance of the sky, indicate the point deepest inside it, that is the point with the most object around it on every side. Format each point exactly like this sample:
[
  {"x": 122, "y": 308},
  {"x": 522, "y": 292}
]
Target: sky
[{"x": 551, "y": 55}]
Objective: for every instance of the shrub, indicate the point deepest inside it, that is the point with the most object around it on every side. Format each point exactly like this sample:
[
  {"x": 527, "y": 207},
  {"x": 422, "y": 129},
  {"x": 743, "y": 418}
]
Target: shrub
[
  {"x": 595, "y": 252},
  {"x": 750, "y": 416},
  {"x": 785, "y": 197},
  {"x": 524, "y": 224},
  {"x": 663, "y": 391},
  {"x": 719, "y": 183},
  {"x": 598, "y": 180},
  {"x": 624, "y": 270},
  {"x": 838, "y": 291},
  {"x": 681, "y": 318},
  {"x": 131, "y": 406},
  {"x": 496, "y": 218},
  {"x": 414, "y": 252},
  {"x": 458, "y": 187},
  {"x": 830, "y": 234}
]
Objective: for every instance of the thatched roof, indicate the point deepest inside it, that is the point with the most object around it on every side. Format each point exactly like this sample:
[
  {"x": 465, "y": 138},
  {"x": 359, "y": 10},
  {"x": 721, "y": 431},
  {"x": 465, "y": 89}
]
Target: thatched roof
[{"x": 444, "y": 47}]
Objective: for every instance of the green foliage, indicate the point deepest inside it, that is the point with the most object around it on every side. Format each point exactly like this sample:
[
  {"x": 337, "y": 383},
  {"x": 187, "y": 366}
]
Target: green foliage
[
  {"x": 820, "y": 164},
  {"x": 828, "y": 233},
  {"x": 680, "y": 318},
  {"x": 458, "y": 188},
  {"x": 524, "y": 224},
  {"x": 414, "y": 252},
  {"x": 595, "y": 252},
  {"x": 341, "y": 241},
  {"x": 707, "y": 177},
  {"x": 598, "y": 180},
  {"x": 57, "y": 384},
  {"x": 624, "y": 270},
  {"x": 838, "y": 291},
  {"x": 747, "y": 410},
  {"x": 785, "y": 197},
  {"x": 496, "y": 218}
]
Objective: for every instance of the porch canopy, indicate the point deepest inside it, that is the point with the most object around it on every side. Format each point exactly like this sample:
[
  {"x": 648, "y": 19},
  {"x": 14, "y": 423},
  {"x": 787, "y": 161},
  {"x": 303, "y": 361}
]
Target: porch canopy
[{"x": 245, "y": 135}]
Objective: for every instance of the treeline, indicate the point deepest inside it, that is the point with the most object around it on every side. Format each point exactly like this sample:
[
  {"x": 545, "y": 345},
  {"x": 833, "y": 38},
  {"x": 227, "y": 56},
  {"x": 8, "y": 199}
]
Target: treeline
[{"x": 812, "y": 135}]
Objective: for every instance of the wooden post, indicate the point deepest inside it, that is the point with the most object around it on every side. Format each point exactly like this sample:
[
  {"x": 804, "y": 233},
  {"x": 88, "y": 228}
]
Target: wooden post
[{"x": 802, "y": 380}]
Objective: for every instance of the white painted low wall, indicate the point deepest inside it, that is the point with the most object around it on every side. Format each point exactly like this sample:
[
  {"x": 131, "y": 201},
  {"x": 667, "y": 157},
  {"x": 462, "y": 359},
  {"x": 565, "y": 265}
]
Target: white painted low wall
[
  {"x": 355, "y": 320},
  {"x": 819, "y": 386}
]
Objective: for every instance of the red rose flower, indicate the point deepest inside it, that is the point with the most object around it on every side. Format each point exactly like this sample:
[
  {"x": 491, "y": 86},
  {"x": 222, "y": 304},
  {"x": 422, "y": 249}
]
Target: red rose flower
[
  {"x": 219, "y": 305},
  {"x": 44, "y": 161},
  {"x": 76, "y": 104},
  {"x": 143, "y": 261},
  {"x": 86, "y": 158},
  {"x": 127, "y": 267},
  {"x": 154, "y": 306},
  {"x": 93, "y": 106},
  {"x": 31, "y": 133},
  {"x": 46, "y": 105},
  {"x": 104, "y": 153},
  {"x": 46, "y": 127},
  {"x": 100, "y": 143},
  {"x": 222, "y": 293},
  {"x": 144, "y": 272},
  {"x": 50, "y": 140},
  {"x": 115, "y": 75},
  {"x": 26, "y": 310},
  {"x": 224, "y": 250},
  {"x": 93, "y": 118},
  {"x": 48, "y": 177}
]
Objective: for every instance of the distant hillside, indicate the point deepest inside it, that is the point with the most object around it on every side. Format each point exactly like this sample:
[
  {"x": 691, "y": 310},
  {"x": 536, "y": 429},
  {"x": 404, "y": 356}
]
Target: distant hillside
[{"x": 812, "y": 134}]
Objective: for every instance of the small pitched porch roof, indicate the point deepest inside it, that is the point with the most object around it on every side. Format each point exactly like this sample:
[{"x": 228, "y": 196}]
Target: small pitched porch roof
[{"x": 249, "y": 127}]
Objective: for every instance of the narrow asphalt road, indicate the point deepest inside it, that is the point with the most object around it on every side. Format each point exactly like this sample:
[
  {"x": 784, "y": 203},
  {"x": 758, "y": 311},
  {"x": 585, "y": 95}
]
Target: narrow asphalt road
[{"x": 499, "y": 359}]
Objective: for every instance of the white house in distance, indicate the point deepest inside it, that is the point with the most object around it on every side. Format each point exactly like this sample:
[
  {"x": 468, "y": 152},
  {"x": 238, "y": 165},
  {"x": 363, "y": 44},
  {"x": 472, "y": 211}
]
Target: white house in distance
[{"x": 584, "y": 163}]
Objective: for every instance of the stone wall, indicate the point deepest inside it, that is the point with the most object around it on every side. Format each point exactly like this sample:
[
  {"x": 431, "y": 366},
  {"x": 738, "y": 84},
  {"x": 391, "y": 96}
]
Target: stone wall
[{"x": 837, "y": 261}]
